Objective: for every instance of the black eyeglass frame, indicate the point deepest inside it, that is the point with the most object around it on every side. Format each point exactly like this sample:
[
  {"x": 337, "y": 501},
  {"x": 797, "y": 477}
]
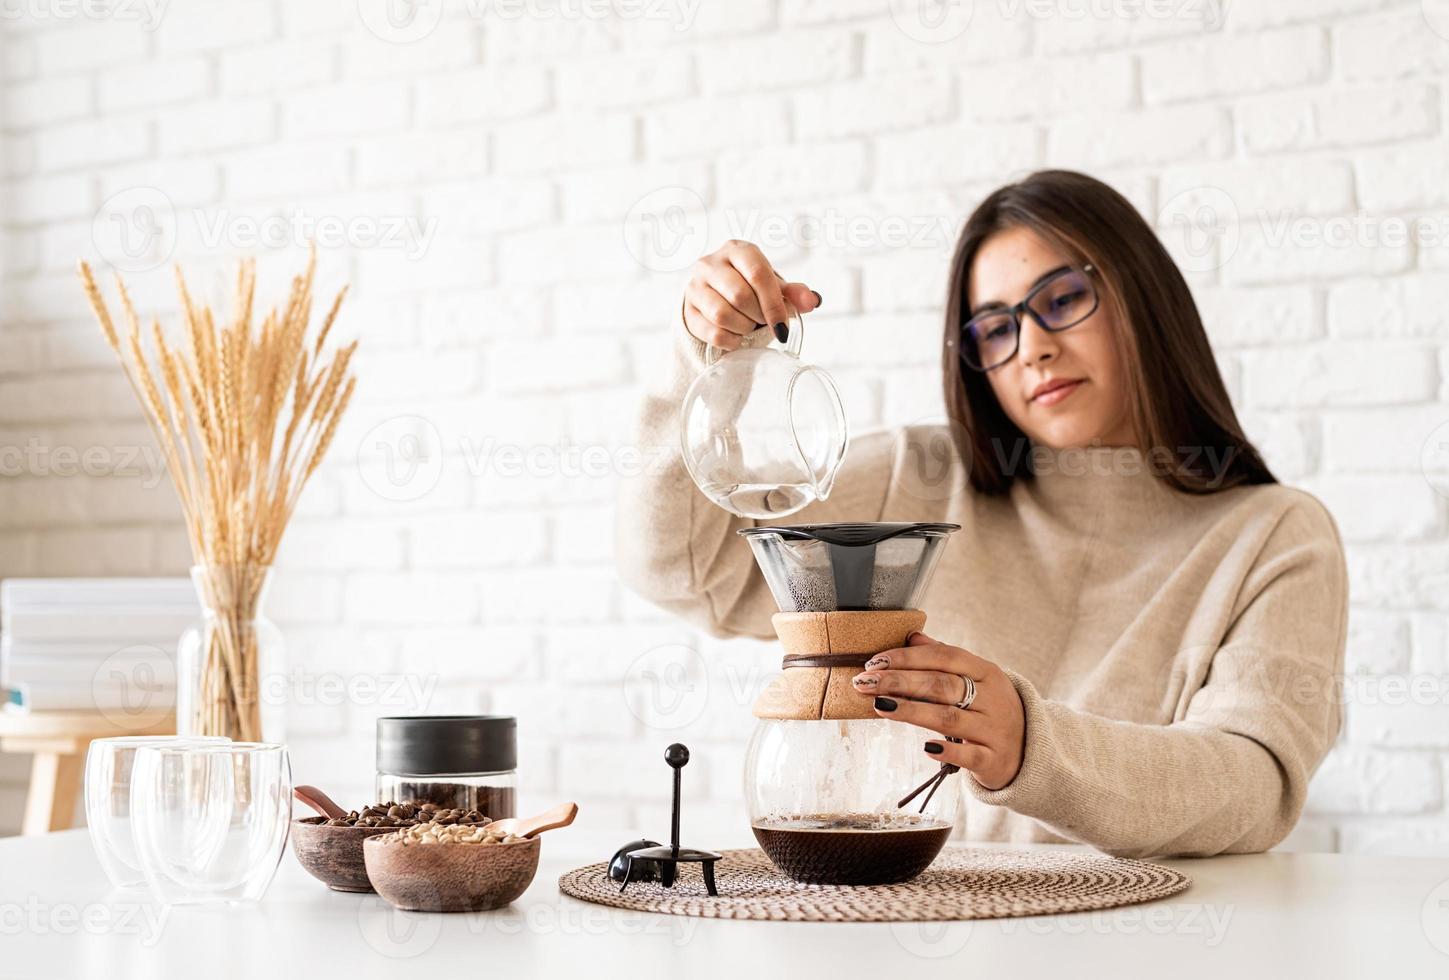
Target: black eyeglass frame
[{"x": 1016, "y": 312}]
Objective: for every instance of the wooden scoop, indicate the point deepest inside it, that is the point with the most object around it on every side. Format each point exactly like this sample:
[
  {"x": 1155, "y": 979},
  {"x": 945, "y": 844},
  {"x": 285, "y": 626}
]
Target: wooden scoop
[
  {"x": 560, "y": 816},
  {"x": 319, "y": 801}
]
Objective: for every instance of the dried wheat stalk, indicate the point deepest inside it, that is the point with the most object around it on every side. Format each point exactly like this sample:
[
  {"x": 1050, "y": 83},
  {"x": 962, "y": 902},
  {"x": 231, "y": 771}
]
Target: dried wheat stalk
[{"x": 244, "y": 413}]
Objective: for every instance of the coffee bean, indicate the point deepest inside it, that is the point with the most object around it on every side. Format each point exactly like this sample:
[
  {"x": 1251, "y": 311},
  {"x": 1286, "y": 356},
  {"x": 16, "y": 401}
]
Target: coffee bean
[
  {"x": 436, "y": 833},
  {"x": 409, "y": 813}
]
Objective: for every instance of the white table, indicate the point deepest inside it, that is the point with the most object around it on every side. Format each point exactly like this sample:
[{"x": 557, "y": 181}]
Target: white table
[{"x": 1275, "y": 915}]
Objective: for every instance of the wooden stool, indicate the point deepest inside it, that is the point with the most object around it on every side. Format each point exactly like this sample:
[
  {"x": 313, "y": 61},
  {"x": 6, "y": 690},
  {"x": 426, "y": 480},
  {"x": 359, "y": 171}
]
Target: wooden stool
[{"x": 58, "y": 740}]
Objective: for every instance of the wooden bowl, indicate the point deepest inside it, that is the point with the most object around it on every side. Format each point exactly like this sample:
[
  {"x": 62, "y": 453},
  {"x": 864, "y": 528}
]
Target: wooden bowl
[
  {"x": 450, "y": 877},
  {"x": 333, "y": 855}
]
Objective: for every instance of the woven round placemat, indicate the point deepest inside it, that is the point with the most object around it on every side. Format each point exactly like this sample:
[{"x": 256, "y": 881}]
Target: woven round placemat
[{"x": 963, "y": 883}]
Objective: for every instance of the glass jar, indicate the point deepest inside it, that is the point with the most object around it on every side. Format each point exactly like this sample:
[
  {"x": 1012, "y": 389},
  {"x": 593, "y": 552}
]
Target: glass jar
[
  {"x": 823, "y": 800},
  {"x": 465, "y": 761}
]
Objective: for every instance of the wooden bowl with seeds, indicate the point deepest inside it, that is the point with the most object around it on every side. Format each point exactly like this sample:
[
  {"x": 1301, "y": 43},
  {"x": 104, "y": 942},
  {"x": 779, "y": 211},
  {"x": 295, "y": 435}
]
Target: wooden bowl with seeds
[
  {"x": 450, "y": 876},
  {"x": 330, "y": 849},
  {"x": 333, "y": 855}
]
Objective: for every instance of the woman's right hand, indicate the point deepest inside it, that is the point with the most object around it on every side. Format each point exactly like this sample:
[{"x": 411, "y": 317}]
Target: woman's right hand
[{"x": 734, "y": 291}]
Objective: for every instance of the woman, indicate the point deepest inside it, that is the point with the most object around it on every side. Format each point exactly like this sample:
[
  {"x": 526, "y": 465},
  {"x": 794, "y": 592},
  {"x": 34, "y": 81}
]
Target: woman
[{"x": 1155, "y": 627}]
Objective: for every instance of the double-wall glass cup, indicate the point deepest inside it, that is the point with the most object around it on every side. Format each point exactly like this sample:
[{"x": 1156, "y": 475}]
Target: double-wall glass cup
[
  {"x": 211, "y": 821},
  {"x": 109, "y": 764}
]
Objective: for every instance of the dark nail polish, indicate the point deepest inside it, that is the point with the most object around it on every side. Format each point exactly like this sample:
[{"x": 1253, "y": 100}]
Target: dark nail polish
[
  {"x": 818, "y": 300},
  {"x": 782, "y": 333},
  {"x": 885, "y": 704},
  {"x": 935, "y": 748},
  {"x": 759, "y": 326}
]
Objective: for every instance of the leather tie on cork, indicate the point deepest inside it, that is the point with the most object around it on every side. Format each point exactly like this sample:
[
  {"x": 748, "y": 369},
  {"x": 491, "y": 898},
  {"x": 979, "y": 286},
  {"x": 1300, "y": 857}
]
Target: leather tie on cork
[
  {"x": 825, "y": 660},
  {"x": 830, "y": 648}
]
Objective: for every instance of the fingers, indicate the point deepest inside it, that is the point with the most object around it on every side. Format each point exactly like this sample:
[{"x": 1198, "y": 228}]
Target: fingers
[
  {"x": 801, "y": 296},
  {"x": 804, "y": 298},
  {"x": 734, "y": 290},
  {"x": 944, "y": 718},
  {"x": 720, "y": 310},
  {"x": 707, "y": 331},
  {"x": 967, "y": 755},
  {"x": 919, "y": 685},
  {"x": 750, "y": 263},
  {"x": 923, "y": 653}
]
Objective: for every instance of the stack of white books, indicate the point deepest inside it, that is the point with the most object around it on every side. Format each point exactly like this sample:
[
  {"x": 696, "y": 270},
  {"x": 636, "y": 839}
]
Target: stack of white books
[{"x": 92, "y": 644}]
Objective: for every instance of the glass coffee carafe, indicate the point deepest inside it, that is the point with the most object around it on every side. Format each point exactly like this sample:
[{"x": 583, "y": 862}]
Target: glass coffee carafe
[
  {"x": 762, "y": 434},
  {"x": 828, "y": 783}
]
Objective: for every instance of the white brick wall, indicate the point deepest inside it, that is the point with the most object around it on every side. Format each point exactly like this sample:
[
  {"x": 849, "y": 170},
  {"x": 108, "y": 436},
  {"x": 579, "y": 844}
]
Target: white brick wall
[{"x": 513, "y": 324}]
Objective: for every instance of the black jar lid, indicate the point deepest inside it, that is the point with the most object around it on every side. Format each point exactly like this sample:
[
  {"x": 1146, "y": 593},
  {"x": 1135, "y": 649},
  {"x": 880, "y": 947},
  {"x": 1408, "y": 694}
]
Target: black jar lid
[{"x": 438, "y": 745}]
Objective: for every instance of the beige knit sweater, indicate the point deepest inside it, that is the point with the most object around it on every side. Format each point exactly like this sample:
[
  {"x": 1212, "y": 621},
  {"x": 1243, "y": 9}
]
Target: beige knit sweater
[{"x": 1178, "y": 655}]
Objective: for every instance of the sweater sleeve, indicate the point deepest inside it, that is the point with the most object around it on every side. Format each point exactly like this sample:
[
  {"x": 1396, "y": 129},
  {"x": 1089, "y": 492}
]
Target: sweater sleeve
[
  {"x": 676, "y": 548},
  {"x": 1232, "y": 775}
]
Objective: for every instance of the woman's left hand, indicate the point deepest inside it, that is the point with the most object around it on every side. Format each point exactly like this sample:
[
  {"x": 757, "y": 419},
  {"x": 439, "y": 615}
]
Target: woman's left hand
[{"x": 921, "y": 684}]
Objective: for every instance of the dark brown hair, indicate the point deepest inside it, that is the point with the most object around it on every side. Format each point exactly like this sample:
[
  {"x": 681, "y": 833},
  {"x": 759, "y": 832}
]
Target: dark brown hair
[{"x": 1179, "y": 407}]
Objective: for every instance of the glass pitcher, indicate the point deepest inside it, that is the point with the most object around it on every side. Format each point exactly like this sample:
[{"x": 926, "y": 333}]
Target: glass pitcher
[{"x": 763, "y": 434}]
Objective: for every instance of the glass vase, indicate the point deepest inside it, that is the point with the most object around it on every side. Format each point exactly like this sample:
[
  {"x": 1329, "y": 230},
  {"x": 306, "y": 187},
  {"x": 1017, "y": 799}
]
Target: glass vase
[{"x": 231, "y": 666}]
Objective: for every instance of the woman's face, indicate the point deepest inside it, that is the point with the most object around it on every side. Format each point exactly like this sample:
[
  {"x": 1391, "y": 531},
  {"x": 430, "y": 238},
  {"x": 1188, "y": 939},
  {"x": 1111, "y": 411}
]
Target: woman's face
[{"x": 1004, "y": 269}]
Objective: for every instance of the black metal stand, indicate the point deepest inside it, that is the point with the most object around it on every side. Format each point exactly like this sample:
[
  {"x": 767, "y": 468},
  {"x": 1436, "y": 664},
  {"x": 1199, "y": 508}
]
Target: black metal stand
[{"x": 665, "y": 861}]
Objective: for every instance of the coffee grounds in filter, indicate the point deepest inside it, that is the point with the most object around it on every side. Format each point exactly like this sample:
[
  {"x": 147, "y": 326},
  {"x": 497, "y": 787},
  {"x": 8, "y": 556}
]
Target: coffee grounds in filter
[
  {"x": 890, "y": 587},
  {"x": 813, "y": 590}
]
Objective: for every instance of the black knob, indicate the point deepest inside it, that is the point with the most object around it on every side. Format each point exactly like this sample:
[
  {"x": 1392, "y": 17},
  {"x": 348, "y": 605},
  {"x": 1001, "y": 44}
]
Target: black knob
[{"x": 677, "y": 756}]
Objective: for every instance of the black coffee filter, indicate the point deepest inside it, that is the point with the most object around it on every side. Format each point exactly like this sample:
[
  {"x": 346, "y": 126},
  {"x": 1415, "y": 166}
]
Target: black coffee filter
[
  {"x": 851, "y": 574},
  {"x": 858, "y": 534},
  {"x": 427, "y": 745}
]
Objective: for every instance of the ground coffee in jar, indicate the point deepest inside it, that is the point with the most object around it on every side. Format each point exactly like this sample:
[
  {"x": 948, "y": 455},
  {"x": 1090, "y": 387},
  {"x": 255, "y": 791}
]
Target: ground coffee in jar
[{"x": 465, "y": 762}]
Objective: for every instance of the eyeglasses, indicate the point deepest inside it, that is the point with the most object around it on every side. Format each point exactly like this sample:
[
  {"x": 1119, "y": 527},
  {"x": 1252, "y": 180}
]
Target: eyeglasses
[{"x": 1063, "y": 299}]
